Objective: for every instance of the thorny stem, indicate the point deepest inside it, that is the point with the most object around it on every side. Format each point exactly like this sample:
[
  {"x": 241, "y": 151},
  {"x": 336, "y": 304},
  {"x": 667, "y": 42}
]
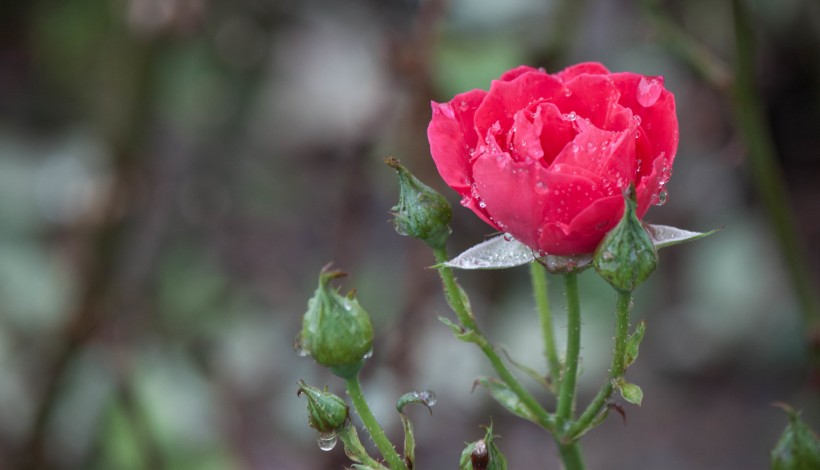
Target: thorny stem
[
  {"x": 354, "y": 390},
  {"x": 539, "y": 288},
  {"x": 616, "y": 369},
  {"x": 454, "y": 297}
]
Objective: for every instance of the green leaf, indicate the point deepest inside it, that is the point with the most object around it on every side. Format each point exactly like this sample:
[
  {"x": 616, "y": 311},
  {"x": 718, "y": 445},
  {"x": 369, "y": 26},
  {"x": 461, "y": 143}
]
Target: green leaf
[
  {"x": 426, "y": 398},
  {"x": 633, "y": 342},
  {"x": 463, "y": 334},
  {"x": 355, "y": 451},
  {"x": 664, "y": 235},
  {"x": 798, "y": 447},
  {"x": 630, "y": 392},
  {"x": 505, "y": 397},
  {"x": 542, "y": 379}
]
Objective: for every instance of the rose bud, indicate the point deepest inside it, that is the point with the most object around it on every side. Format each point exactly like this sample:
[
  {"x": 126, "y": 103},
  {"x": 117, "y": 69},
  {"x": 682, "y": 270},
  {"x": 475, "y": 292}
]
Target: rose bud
[
  {"x": 483, "y": 454},
  {"x": 327, "y": 412},
  {"x": 798, "y": 447},
  {"x": 336, "y": 330},
  {"x": 421, "y": 212},
  {"x": 547, "y": 157},
  {"x": 626, "y": 256}
]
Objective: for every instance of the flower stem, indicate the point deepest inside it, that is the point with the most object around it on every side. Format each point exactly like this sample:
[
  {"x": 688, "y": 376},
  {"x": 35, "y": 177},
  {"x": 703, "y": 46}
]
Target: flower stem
[
  {"x": 571, "y": 456},
  {"x": 616, "y": 370},
  {"x": 566, "y": 398},
  {"x": 539, "y": 288},
  {"x": 354, "y": 389},
  {"x": 456, "y": 300}
]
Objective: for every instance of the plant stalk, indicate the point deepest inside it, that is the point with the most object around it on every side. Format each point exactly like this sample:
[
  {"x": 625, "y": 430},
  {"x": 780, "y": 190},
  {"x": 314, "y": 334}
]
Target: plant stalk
[
  {"x": 354, "y": 390},
  {"x": 539, "y": 288}
]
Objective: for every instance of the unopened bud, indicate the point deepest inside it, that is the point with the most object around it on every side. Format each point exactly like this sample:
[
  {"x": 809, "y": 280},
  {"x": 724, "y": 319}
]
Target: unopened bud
[
  {"x": 327, "y": 412},
  {"x": 483, "y": 454},
  {"x": 336, "y": 330},
  {"x": 421, "y": 212},
  {"x": 798, "y": 447},
  {"x": 626, "y": 256}
]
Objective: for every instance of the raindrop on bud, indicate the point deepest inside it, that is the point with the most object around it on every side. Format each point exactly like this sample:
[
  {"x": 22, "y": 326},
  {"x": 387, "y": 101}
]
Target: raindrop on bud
[{"x": 327, "y": 441}]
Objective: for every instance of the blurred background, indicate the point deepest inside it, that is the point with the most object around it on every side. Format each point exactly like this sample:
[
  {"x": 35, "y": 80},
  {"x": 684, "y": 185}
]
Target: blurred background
[{"x": 174, "y": 174}]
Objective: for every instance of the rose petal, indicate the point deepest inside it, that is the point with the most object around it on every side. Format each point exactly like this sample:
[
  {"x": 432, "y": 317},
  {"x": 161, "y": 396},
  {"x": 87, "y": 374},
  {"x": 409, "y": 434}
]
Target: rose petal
[
  {"x": 452, "y": 137},
  {"x": 591, "y": 97},
  {"x": 508, "y": 189},
  {"x": 556, "y": 131},
  {"x": 573, "y": 71},
  {"x": 658, "y": 120},
  {"x": 507, "y": 98},
  {"x": 512, "y": 74}
]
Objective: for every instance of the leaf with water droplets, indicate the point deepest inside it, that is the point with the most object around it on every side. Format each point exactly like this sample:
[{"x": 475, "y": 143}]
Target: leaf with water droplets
[
  {"x": 665, "y": 235},
  {"x": 504, "y": 251},
  {"x": 496, "y": 253}
]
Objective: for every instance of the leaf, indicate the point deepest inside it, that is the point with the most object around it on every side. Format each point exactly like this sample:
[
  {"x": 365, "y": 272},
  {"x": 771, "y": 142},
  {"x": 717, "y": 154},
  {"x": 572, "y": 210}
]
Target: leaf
[
  {"x": 633, "y": 342},
  {"x": 504, "y": 252},
  {"x": 496, "y": 253},
  {"x": 354, "y": 449},
  {"x": 665, "y": 235},
  {"x": 530, "y": 372},
  {"x": 426, "y": 398},
  {"x": 463, "y": 334},
  {"x": 631, "y": 393},
  {"x": 505, "y": 397}
]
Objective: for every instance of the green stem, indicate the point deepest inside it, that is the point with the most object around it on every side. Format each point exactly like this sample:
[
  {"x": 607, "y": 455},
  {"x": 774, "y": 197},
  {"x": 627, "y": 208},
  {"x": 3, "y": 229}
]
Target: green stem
[
  {"x": 354, "y": 389},
  {"x": 539, "y": 288},
  {"x": 456, "y": 301},
  {"x": 571, "y": 456},
  {"x": 616, "y": 369},
  {"x": 566, "y": 398}
]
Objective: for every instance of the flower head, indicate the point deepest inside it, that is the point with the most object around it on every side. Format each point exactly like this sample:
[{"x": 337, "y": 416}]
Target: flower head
[{"x": 547, "y": 157}]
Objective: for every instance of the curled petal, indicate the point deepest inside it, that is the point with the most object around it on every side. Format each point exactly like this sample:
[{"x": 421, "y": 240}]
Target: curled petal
[{"x": 507, "y": 98}]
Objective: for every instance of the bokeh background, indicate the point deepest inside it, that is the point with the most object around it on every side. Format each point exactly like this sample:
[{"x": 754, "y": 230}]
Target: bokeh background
[{"x": 174, "y": 174}]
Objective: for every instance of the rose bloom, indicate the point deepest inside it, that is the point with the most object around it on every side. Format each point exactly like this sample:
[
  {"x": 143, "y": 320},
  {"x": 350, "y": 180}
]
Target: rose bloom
[{"x": 547, "y": 157}]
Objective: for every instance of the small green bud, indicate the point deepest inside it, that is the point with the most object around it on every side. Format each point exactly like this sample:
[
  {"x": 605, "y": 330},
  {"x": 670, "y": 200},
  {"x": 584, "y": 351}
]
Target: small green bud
[
  {"x": 626, "y": 256},
  {"x": 483, "y": 454},
  {"x": 798, "y": 447},
  {"x": 327, "y": 413},
  {"x": 421, "y": 212},
  {"x": 336, "y": 330}
]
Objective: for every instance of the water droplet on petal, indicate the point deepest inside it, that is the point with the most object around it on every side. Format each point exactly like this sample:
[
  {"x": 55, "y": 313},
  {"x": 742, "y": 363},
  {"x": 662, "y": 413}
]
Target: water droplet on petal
[
  {"x": 464, "y": 105},
  {"x": 637, "y": 119},
  {"x": 662, "y": 197},
  {"x": 327, "y": 440},
  {"x": 508, "y": 237},
  {"x": 572, "y": 116},
  {"x": 649, "y": 90},
  {"x": 567, "y": 92},
  {"x": 482, "y": 204}
]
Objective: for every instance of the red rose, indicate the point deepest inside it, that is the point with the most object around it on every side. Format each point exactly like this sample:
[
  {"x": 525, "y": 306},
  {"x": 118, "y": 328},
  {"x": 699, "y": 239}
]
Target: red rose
[{"x": 546, "y": 158}]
